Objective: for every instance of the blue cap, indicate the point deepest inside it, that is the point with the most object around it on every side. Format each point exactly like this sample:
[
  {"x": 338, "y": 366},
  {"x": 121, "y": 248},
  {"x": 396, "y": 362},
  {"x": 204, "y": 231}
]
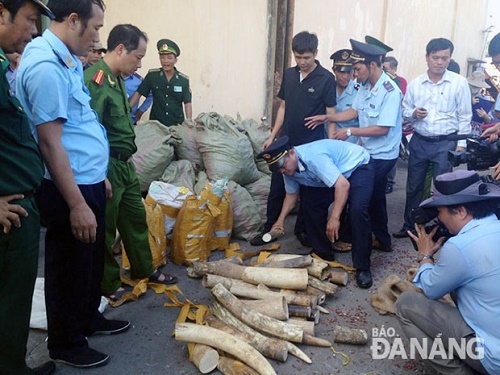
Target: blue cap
[
  {"x": 362, "y": 51},
  {"x": 44, "y": 9},
  {"x": 341, "y": 60},
  {"x": 275, "y": 154}
]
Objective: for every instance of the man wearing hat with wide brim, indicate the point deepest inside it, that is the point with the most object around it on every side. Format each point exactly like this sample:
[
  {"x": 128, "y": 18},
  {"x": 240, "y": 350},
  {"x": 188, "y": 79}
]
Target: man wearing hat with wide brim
[
  {"x": 170, "y": 88},
  {"x": 23, "y": 170},
  {"x": 468, "y": 268},
  {"x": 346, "y": 88},
  {"x": 334, "y": 171},
  {"x": 378, "y": 108}
]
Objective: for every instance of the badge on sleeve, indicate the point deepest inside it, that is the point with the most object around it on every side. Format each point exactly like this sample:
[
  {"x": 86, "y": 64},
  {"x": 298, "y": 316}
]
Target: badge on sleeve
[{"x": 388, "y": 86}]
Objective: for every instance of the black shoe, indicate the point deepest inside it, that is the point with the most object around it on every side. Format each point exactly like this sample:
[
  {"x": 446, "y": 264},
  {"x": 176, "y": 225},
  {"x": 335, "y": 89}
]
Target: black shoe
[
  {"x": 109, "y": 327},
  {"x": 303, "y": 239},
  {"x": 364, "y": 279},
  {"x": 327, "y": 256},
  {"x": 401, "y": 234},
  {"x": 376, "y": 245},
  {"x": 86, "y": 358},
  {"x": 46, "y": 369},
  {"x": 257, "y": 240},
  {"x": 389, "y": 189}
]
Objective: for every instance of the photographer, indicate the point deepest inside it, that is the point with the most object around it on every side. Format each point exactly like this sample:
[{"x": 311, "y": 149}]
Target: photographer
[
  {"x": 491, "y": 135},
  {"x": 468, "y": 268}
]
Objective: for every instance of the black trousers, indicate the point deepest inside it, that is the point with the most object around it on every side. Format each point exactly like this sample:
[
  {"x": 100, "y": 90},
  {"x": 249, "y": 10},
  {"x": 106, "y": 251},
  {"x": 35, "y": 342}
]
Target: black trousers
[
  {"x": 378, "y": 205},
  {"x": 73, "y": 270},
  {"x": 316, "y": 201}
]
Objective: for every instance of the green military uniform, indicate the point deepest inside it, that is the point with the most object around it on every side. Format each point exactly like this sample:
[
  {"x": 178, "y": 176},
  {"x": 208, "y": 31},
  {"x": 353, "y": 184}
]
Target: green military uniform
[
  {"x": 168, "y": 96},
  {"x": 124, "y": 210},
  {"x": 22, "y": 172}
]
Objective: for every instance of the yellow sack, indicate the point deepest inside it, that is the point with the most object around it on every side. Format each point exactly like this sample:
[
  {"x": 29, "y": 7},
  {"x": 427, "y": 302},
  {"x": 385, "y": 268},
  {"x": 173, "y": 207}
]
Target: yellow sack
[
  {"x": 192, "y": 231},
  {"x": 223, "y": 225},
  {"x": 156, "y": 235}
]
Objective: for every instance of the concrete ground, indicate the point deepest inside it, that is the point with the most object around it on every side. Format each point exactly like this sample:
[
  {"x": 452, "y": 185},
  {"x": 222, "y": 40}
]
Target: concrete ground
[{"x": 149, "y": 347}]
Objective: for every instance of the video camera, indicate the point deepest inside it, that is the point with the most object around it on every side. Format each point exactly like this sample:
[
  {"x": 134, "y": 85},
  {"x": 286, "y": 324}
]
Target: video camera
[
  {"x": 479, "y": 155},
  {"x": 427, "y": 217}
]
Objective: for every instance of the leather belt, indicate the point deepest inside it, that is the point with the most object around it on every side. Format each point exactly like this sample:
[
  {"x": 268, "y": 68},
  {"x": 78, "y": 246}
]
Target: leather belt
[
  {"x": 434, "y": 138},
  {"x": 119, "y": 156}
]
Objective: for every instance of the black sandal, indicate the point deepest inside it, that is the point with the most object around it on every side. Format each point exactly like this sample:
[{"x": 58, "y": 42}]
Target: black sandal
[{"x": 155, "y": 278}]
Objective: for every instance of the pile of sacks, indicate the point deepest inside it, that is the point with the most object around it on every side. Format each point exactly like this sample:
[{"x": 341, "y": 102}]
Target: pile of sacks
[{"x": 194, "y": 155}]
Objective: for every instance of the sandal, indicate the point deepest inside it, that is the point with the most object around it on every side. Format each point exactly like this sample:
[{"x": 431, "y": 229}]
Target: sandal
[
  {"x": 155, "y": 278},
  {"x": 117, "y": 295}
]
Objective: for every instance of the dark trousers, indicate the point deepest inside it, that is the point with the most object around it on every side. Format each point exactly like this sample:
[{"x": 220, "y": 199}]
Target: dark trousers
[
  {"x": 73, "y": 270},
  {"x": 18, "y": 269},
  {"x": 315, "y": 210},
  {"x": 378, "y": 205},
  {"x": 275, "y": 203},
  {"x": 423, "y": 154}
]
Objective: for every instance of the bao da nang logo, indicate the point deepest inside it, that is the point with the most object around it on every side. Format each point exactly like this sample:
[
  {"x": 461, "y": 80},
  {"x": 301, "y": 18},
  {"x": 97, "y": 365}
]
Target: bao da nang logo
[{"x": 387, "y": 344}]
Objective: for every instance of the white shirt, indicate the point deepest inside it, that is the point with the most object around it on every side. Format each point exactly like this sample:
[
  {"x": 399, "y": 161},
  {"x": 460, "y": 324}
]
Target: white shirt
[{"x": 448, "y": 105}]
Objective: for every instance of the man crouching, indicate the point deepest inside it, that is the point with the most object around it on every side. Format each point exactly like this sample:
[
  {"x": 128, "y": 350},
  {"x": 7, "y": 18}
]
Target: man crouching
[{"x": 328, "y": 171}]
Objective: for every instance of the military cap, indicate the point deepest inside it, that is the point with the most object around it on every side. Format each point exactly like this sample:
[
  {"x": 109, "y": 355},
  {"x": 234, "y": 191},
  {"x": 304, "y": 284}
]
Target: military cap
[
  {"x": 166, "y": 46},
  {"x": 341, "y": 60},
  {"x": 377, "y": 43},
  {"x": 362, "y": 51},
  {"x": 275, "y": 154},
  {"x": 99, "y": 47},
  {"x": 44, "y": 9}
]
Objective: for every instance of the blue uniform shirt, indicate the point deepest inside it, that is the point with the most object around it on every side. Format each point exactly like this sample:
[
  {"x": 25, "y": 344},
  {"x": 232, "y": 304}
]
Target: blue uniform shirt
[
  {"x": 50, "y": 87},
  {"x": 380, "y": 106},
  {"x": 344, "y": 102},
  {"x": 469, "y": 263},
  {"x": 322, "y": 162},
  {"x": 132, "y": 82}
]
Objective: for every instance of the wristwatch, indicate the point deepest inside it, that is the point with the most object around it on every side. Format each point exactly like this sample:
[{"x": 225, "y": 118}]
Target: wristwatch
[
  {"x": 348, "y": 132},
  {"x": 427, "y": 256}
]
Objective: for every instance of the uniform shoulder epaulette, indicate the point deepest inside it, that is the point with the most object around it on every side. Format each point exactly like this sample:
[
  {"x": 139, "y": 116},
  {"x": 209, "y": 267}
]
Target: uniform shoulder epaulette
[
  {"x": 183, "y": 75},
  {"x": 388, "y": 86},
  {"x": 99, "y": 77},
  {"x": 154, "y": 70}
]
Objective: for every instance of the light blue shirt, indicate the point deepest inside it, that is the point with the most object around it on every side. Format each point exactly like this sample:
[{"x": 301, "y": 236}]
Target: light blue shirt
[
  {"x": 50, "y": 87},
  {"x": 322, "y": 162},
  {"x": 132, "y": 82},
  {"x": 448, "y": 105},
  {"x": 381, "y": 106},
  {"x": 344, "y": 102},
  {"x": 11, "y": 78},
  {"x": 469, "y": 263}
]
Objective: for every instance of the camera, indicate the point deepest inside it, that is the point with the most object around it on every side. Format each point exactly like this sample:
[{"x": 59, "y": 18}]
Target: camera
[
  {"x": 479, "y": 155},
  {"x": 428, "y": 218}
]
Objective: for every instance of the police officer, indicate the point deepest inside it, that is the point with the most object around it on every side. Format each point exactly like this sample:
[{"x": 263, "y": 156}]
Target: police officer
[
  {"x": 346, "y": 88},
  {"x": 378, "y": 108},
  {"x": 22, "y": 171},
  {"x": 334, "y": 171},
  {"x": 124, "y": 209},
  {"x": 385, "y": 49},
  {"x": 170, "y": 87}
]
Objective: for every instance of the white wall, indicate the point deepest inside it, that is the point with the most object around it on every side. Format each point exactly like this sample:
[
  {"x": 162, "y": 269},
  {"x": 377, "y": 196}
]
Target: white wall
[
  {"x": 223, "y": 47},
  {"x": 224, "y": 43}
]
